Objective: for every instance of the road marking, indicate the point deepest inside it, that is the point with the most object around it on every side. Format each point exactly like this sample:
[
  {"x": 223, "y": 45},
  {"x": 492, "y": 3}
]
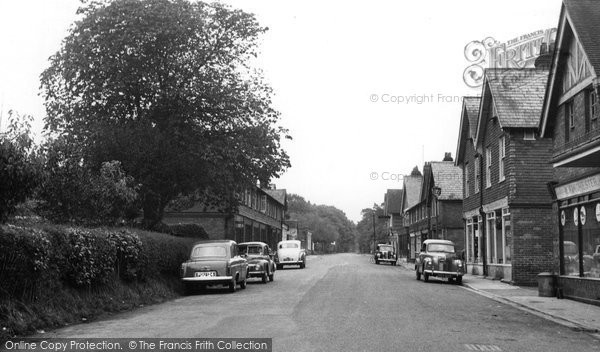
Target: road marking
[{"x": 474, "y": 347}]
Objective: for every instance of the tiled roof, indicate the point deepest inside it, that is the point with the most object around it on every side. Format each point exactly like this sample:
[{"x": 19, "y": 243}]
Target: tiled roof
[
  {"x": 278, "y": 194},
  {"x": 585, "y": 16},
  {"x": 518, "y": 95},
  {"x": 472, "y": 107},
  {"x": 393, "y": 201},
  {"x": 449, "y": 178},
  {"x": 412, "y": 190}
]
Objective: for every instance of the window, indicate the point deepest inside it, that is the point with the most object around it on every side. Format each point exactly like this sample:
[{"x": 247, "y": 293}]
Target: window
[
  {"x": 529, "y": 135},
  {"x": 490, "y": 236},
  {"x": 593, "y": 104},
  {"x": 469, "y": 240},
  {"x": 263, "y": 203},
  {"x": 501, "y": 155},
  {"x": 488, "y": 167},
  {"x": 477, "y": 179},
  {"x": 506, "y": 235},
  {"x": 467, "y": 180},
  {"x": 570, "y": 114}
]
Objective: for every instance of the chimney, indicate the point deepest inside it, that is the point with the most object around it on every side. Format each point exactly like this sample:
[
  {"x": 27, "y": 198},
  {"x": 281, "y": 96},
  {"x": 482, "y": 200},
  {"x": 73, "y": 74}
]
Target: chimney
[
  {"x": 448, "y": 157},
  {"x": 544, "y": 61}
]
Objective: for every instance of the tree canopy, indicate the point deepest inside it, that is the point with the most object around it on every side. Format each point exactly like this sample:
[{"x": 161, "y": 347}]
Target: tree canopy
[
  {"x": 327, "y": 223},
  {"x": 165, "y": 88}
]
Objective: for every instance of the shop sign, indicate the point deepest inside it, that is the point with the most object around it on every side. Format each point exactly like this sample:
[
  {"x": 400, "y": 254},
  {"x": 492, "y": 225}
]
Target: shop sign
[
  {"x": 598, "y": 212},
  {"x": 563, "y": 217},
  {"x": 582, "y": 215},
  {"x": 587, "y": 185}
]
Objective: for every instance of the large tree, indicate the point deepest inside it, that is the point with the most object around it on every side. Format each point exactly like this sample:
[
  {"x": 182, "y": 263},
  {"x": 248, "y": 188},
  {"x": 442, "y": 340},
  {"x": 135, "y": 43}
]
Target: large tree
[{"x": 165, "y": 87}]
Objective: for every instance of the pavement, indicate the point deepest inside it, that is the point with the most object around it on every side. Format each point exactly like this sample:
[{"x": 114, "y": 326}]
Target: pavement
[{"x": 575, "y": 315}]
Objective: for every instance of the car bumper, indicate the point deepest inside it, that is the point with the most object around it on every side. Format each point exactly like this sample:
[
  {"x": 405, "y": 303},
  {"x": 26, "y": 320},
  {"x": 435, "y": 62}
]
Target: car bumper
[
  {"x": 208, "y": 279},
  {"x": 444, "y": 273},
  {"x": 256, "y": 273},
  {"x": 291, "y": 262},
  {"x": 386, "y": 259}
]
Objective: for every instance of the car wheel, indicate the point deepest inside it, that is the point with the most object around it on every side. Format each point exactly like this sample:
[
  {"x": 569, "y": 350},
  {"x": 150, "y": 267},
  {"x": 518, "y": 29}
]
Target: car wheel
[
  {"x": 451, "y": 279},
  {"x": 302, "y": 265},
  {"x": 279, "y": 266},
  {"x": 243, "y": 283},
  {"x": 265, "y": 277},
  {"x": 376, "y": 261},
  {"x": 426, "y": 277},
  {"x": 272, "y": 276},
  {"x": 233, "y": 285},
  {"x": 459, "y": 280},
  {"x": 418, "y": 274}
]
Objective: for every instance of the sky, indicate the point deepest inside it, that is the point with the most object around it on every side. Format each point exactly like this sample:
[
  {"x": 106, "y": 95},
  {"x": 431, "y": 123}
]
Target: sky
[{"x": 368, "y": 90}]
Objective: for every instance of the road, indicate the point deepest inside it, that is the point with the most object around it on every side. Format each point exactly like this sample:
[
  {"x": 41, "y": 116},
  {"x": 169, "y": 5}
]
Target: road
[{"x": 344, "y": 303}]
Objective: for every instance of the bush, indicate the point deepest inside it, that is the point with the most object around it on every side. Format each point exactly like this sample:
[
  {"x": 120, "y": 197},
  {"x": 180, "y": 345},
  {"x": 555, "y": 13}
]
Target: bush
[
  {"x": 19, "y": 177},
  {"x": 35, "y": 261}
]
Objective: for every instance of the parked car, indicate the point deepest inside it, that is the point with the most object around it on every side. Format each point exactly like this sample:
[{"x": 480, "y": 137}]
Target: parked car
[
  {"x": 260, "y": 264},
  {"x": 214, "y": 263},
  {"x": 438, "y": 258},
  {"x": 290, "y": 253},
  {"x": 385, "y": 253}
]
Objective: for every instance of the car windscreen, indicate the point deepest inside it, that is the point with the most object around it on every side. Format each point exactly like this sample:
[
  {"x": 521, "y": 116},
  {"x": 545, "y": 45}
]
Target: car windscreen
[
  {"x": 209, "y": 251},
  {"x": 250, "y": 249},
  {"x": 289, "y": 245},
  {"x": 385, "y": 248},
  {"x": 440, "y": 247}
]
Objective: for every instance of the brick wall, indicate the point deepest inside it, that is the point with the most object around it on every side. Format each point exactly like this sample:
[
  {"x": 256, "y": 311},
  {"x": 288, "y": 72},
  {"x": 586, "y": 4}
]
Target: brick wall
[
  {"x": 530, "y": 169},
  {"x": 533, "y": 243},
  {"x": 491, "y": 140},
  {"x": 472, "y": 201}
]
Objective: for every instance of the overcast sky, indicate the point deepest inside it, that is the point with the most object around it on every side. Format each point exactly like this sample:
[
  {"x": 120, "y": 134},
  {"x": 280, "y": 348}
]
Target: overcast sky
[{"x": 335, "y": 67}]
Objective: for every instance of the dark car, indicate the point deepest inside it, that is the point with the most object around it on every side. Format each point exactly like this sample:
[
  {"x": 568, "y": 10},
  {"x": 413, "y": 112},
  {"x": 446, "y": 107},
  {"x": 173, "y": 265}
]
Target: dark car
[
  {"x": 260, "y": 264},
  {"x": 214, "y": 263},
  {"x": 385, "y": 253},
  {"x": 439, "y": 258}
]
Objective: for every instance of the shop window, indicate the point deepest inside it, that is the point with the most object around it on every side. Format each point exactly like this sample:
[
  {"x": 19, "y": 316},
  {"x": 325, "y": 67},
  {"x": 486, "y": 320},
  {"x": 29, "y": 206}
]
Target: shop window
[
  {"x": 469, "y": 240},
  {"x": 590, "y": 240},
  {"x": 490, "y": 234},
  {"x": 506, "y": 235},
  {"x": 570, "y": 241}
]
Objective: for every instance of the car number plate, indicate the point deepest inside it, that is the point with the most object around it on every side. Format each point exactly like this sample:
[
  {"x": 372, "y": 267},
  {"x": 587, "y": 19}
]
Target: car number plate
[{"x": 205, "y": 273}]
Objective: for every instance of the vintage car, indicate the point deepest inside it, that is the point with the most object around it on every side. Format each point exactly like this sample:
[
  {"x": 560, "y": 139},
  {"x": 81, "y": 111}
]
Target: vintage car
[
  {"x": 290, "y": 253},
  {"x": 438, "y": 258},
  {"x": 214, "y": 263},
  {"x": 259, "y": 260},
  {"x": 385, "y": 253}
]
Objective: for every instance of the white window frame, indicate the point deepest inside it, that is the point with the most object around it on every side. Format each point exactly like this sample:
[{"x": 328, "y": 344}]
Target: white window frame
[
  {"x": 468, "y": 243},
  {"x": 488, "y": 167},
  {"x": 490, "y": 236},
  {"x": 570, "y": 111},
  {"x": 593, "y": 101},
  {"x": 505, "y": 214},
  {"x": 477, "y": 174},
  {"x": 501, "y": 157}
]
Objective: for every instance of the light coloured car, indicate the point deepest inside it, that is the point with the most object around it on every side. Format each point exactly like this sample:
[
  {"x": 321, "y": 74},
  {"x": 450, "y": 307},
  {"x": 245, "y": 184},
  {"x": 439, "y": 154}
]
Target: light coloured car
[
  {"x": 214, "y": 263},
  {"x": 290, "y": 253},
  {"x": 260, "y": 264},
  {"x": 439, "y": 258}
]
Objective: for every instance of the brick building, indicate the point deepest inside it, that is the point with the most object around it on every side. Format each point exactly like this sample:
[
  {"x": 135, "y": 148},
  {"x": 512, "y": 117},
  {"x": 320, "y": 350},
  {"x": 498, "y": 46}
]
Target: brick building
[
  {"x": 441, "y": 194},
  {"x": 507, "y": 206},
  {"x": 392, "y": 207},
  {"x": 258, "y": 217},
  {"x": 414, "y": 224},
  {"x": 571, "y": 118}
]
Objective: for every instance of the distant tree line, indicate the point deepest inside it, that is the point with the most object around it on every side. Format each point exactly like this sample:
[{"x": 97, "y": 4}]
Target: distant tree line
[{"x": 327, "y": 223}]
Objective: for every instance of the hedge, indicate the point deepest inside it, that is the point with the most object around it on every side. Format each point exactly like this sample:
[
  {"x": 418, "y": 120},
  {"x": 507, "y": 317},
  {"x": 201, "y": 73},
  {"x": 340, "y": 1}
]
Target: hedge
[{"x": 34, "y": 262}]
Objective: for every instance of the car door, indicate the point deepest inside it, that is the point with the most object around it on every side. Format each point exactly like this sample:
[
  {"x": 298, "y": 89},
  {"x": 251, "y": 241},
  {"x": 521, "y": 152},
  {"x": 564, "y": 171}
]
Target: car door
[{"x": 237, "y": 263}]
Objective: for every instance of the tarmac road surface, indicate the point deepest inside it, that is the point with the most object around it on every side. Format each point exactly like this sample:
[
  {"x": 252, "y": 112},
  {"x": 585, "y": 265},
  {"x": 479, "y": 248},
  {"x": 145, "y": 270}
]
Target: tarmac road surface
[{"x": 343, "y": 302}]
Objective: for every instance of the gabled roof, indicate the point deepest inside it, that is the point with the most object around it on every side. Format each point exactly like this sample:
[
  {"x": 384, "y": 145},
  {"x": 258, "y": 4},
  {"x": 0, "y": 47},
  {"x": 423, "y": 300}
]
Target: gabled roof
[
  {"x": 393, "y": 201},
  {"x": 582, "y": 17},
  {"x": 448, "y": 177},
  {"x": 516, "y": 95},
  {"x": 411, "y": 191},
  {"x": 468, "y": 124},
  {"x": 279, "y": 195}
]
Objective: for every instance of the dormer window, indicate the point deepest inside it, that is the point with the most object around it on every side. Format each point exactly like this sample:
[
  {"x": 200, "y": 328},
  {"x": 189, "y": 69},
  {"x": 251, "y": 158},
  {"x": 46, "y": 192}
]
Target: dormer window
[
  {"x": 593, "y": 101},
  {"x": 529, "y": 135},
  {"x": 570, "y": 114}
]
